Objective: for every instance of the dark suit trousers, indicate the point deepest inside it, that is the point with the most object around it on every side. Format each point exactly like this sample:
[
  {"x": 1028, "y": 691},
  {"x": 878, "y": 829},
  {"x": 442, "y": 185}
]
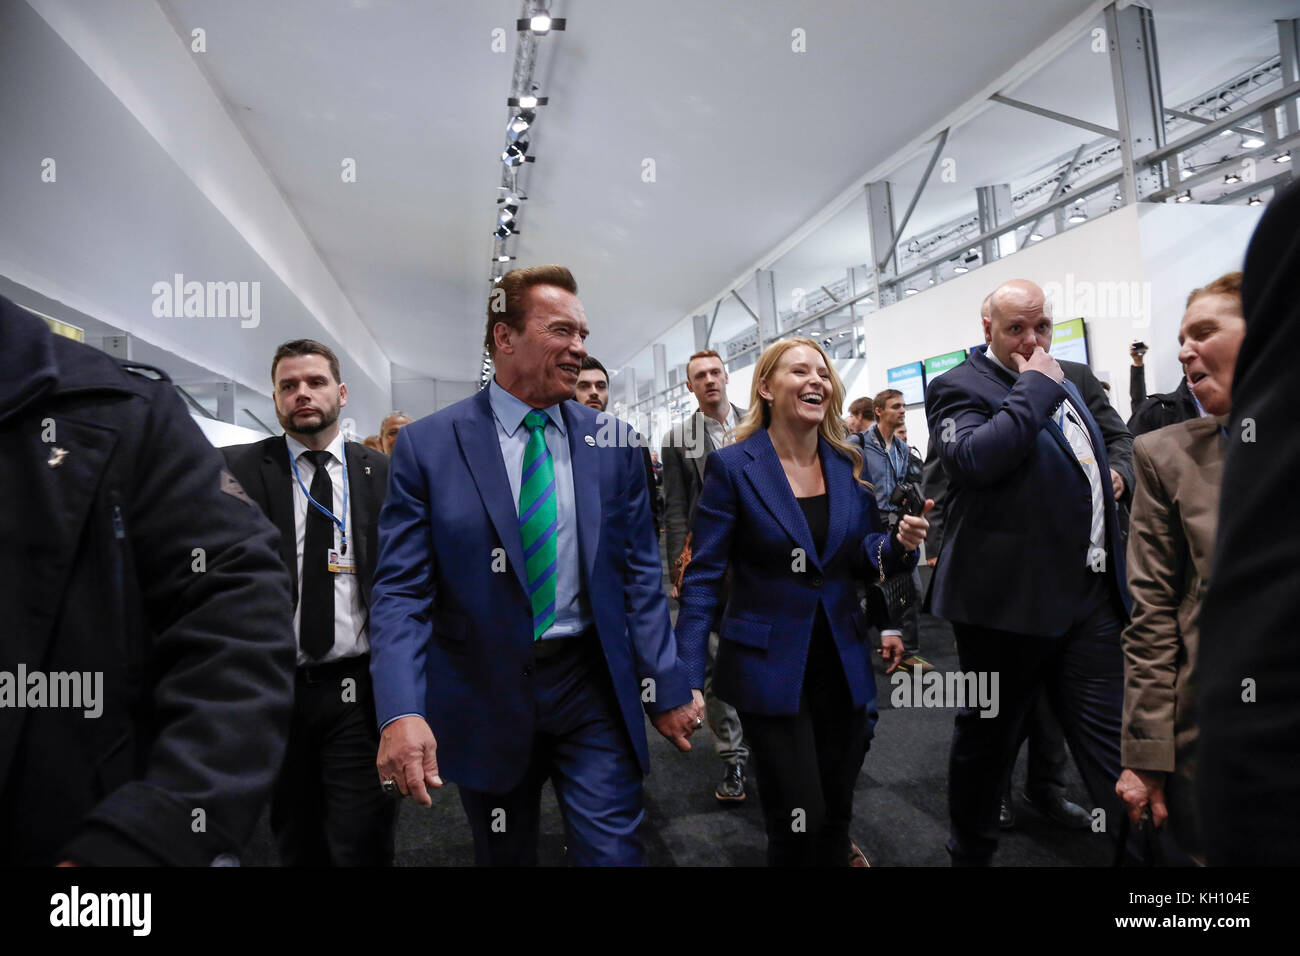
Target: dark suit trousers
[
  {"x": 807, "y": 765},
  {"x": 1083, "y": 674},
  {"x": 581, "y": 744},
  {"x": 327, "y": 808},
  {"x": 1045, "y": 774}
]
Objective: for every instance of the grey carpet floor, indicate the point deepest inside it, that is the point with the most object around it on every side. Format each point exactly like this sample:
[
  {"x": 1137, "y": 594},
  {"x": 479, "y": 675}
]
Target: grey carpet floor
[{"x": 900, "y": 806}]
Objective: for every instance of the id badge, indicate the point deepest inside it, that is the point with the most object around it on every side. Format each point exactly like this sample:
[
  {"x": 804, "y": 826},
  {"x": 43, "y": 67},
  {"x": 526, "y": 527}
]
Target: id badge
[{"x": 341, "y": 562}]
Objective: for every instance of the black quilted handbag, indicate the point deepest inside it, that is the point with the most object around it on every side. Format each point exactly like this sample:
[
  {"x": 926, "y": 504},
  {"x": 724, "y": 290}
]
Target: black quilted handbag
[{"x": 892, "y": 596}]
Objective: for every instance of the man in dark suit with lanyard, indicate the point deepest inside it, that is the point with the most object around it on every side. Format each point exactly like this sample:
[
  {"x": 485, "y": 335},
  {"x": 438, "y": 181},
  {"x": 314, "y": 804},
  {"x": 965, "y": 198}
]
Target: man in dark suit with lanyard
[
  {"x": 324, "y": 494},
  {"x": 1032, "y": 573}
]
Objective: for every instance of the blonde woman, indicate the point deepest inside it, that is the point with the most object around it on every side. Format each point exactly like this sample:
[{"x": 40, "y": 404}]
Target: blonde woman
[{"x": 785, "y": 508}]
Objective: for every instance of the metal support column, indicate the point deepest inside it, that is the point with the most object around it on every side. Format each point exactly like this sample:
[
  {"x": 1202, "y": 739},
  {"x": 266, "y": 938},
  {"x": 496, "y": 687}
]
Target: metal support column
[
  {"x": 627, "y": 379},
  {"x": 994, "y": 204},
  {"x": 859, "y": 282},
  {"x": 1288, "y": 42},
  {"x": 884, "y": 254},
  {"x": 226, "y": 402},
  {"x": 765, "y": 291},
  {"x": 1135, "y": 72},
  {"x": 118, "y": 346},
  {"x": 660, "y": 355},
  {"x": 701, "y": 323}
]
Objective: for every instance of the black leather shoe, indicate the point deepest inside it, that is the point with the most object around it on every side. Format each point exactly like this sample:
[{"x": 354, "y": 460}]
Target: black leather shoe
[
  {"x": 1060, "y": 811},
  {"x": 731, "y": 788},
  {"x": 1006, "y": 815}
]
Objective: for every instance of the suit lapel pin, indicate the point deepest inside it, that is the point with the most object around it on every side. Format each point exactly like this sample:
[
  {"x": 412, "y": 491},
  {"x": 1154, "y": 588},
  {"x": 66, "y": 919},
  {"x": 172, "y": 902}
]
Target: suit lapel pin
[
  {"x": 56, "y": 457},
  {"x": 589, "y": 440}
]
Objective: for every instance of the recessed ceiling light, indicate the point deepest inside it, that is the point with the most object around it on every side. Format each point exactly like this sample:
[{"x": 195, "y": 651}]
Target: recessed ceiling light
[
  {"x": 1035, "y": 237},
  {"x": 1251, "y": 142},
  {"x": 1255, "y": 201},
  {"x": 1184, "y": 196},
  {"x": 1283, "y": 157},
  {"x": 909, "y": 291}
]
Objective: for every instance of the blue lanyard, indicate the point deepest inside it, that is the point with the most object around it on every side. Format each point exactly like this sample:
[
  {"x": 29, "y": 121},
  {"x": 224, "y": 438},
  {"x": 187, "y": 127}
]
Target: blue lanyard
[{"x": 343, "y": 530}]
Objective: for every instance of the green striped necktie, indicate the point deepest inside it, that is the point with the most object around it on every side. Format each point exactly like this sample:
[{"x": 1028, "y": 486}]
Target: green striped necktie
[{"x": 538, "y": 523}]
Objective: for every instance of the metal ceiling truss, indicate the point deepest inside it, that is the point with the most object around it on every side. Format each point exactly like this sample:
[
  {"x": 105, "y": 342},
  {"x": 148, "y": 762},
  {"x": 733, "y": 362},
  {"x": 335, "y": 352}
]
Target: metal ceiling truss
[{"x": 1147, "y": 170}]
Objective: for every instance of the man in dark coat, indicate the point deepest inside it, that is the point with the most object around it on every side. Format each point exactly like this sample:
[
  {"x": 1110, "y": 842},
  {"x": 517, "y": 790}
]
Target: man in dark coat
[
  {"x": 1248, "y": 777},
  {"x": 146, "y": 660}
]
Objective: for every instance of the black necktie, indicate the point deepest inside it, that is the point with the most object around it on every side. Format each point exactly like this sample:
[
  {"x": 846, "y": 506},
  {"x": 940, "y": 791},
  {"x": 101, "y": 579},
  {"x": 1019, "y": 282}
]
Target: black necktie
[{"x": 316, "y": 622}]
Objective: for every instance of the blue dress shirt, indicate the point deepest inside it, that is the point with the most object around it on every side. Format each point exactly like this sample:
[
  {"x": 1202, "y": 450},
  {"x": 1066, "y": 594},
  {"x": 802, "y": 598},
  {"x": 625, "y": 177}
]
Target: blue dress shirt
[{"x": 572, "y": 609}]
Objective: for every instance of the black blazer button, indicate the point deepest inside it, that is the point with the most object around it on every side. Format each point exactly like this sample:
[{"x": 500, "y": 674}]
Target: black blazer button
[
  {"x": 528, "y": 670},
  {"x": 817, "y": 581}
]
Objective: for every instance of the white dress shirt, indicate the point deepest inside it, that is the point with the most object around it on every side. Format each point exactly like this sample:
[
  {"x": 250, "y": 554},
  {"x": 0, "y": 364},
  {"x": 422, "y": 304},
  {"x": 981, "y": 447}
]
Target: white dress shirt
[
  {"x": 1069, "y": 419},
  {"x": 350, "y": 639},
  {"x": 717, "y": 430}
]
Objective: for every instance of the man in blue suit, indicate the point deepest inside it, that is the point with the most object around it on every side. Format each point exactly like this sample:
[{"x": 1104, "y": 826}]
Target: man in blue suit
[
  {"x": 519, "y": 624},
  {"x": 1032, "y": 572}
]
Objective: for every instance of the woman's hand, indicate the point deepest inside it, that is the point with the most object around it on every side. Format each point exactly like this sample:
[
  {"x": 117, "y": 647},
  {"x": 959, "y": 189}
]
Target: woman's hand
[
  {"x": 891, "y": 649},
  {"x": 912, "y": 528}
]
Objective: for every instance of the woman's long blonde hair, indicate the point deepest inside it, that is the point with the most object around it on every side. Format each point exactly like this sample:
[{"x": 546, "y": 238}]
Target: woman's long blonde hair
[{"x": 832, "y": 426}]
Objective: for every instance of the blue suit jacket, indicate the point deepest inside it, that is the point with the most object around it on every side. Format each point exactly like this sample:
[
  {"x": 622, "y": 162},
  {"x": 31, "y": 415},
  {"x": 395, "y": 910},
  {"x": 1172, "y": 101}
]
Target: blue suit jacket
[
  {"x": 748, "y": 518},
  {"x": 451, "y": 626},
  {"x": 1019, "y": 506}
]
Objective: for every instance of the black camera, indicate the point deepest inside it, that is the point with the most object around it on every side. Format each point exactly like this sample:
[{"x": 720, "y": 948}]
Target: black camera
[{"x": 907, "y": 498}]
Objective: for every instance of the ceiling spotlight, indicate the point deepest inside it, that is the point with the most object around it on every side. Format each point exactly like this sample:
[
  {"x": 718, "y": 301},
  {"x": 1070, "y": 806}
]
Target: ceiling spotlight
[
  {"x": 1231, "y": 178},
  {"x": 1283, "y": 157},
  {"x": 540, "y": 23},
  {"x": 1078, "y": 214},
  {"x": 519, "y": 124},
  {"x": 1226, "y": 132},
  {"x": 1035, "y": 237},
  {"x": 909, "y": 291},
  {"x": 960, "y": 269},
  {"x": 516, "y": 153},
  {"x": 972, "y": 251},
  {"x": 504, "y": 259},
  {"x": 1188, "y": 171},
  {"x": 503, "y": 232},
  {"x": 1254, "y": 201},
  {"x": 506, "y": 214},
  {"x": 1251, "y": 142},
  {"x": 528, "y": 101},
  {"x": 1184, "y": 196}
]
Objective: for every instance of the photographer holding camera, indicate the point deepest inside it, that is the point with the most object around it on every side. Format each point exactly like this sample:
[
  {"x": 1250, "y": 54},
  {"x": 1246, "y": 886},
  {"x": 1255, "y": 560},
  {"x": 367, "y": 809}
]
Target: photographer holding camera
[{"x": 896, "y": 476}]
